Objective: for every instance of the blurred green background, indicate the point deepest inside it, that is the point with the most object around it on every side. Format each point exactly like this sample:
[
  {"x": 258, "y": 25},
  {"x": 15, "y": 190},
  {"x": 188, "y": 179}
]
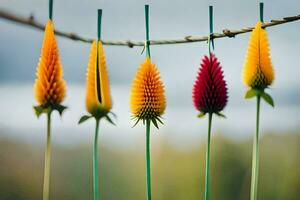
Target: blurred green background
[{"x": 176, "y": 174}]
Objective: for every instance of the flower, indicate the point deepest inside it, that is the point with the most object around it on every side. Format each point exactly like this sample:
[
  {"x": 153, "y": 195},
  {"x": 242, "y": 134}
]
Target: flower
[
  {"x": 258, "y": 72},
  {"x": 210, "y": 90},
  {"x": 98, "y": 99},
  {"x": 49, "y": 86},
  {"x": 147, "y": 99}
]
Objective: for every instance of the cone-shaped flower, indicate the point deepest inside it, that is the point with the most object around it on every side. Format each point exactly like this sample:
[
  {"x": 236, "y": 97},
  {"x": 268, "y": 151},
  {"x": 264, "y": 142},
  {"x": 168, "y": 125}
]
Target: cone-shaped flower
[
  {"x": 258, "y": 72},
  {"x": 147, "y": 99},
  {"x": 210, "y": 90},
  {"x": 49, "y": 87},
  {"x": 98, "y": 99}
]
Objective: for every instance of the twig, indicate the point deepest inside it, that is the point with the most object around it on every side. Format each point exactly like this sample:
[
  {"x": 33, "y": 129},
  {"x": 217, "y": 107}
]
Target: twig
[{"x": 30, "y": 21}]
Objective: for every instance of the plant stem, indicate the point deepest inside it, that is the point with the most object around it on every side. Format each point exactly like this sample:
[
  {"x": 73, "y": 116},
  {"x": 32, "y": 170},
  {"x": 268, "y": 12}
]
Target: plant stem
[
  {"x": 207, "y": 168},
  {"x": 50, "y": 9},
  {"x": 95, "y": 163},
  {"x": 47, "y": 160},
  {"x": 211, "y": 30},
  {"x": 99, "y": 24},
  {"x": 147, "y": 31},
  {"x": 148, "y": 164},
  {"x": 255, "y": 156}
]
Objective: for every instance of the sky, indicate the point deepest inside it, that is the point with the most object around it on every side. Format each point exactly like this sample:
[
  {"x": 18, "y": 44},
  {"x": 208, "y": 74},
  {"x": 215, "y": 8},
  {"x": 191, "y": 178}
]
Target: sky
[{"x": 178, "y": 64}]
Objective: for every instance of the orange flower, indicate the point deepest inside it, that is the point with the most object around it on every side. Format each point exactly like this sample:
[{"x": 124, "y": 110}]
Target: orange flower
[
  {"x": 258, "y": 71},
  {"x": 49, "y": 86},
  {"x": 98, "y": 99},
  {"x": 147, "y": 97}
]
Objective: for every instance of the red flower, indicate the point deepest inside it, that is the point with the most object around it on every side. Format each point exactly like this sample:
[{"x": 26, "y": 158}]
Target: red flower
[{"x": 210, "y": 89}]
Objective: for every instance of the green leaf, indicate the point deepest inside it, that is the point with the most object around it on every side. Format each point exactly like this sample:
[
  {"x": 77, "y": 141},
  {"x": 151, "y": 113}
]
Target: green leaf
[
  {"x": 84, "y": 118},
  {"x": 268, "y": 98},
  {"x": 38, "y": 110},
  {"x": 113, "y": 114},
  {"x": 251, "y": 93},
  {"x": 154, "y": 123},
  {"x": 221, "y": 115},
  {"x": 137, "y": 121},
  {"x": 109, "y": 120},
  {"x": 48, "y": 108},
  {"x": 59, "y": 108},
  {"x": 158, "y": 119},
  {"x": 201, "y": 115}
]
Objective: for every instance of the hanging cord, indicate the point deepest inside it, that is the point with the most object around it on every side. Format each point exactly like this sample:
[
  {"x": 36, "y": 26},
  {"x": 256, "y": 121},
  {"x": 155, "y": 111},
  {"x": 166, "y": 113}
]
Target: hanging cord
[
  {"x": 98, "y": 81},
  {"x": 99, "y": 24},
  {"x": 147, "y": 42},
  {"x": 211, "y": 31},
  {"x": 50, "y": 9},
  {"x": 261, "y": 12}
]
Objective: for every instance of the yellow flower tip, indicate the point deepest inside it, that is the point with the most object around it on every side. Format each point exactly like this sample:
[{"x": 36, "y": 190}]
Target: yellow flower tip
[
  {"x": 98, "y": 99},
  {"x": 147, "y": 98},
  {"x": 258, "y": 70},
  {"x": 49, "y": 86}
]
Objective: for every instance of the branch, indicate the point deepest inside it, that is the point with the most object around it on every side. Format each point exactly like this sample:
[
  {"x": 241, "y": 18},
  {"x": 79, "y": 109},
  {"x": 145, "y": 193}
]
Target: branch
[{"x": 30, "y": 21}]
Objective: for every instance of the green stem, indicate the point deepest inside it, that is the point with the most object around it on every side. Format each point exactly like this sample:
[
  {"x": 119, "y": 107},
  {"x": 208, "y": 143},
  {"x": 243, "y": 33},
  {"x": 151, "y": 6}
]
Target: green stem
[
  {"x": 50, "y": 9},
  {"x": 47, "y": 160},
  {"x": 211, "y": 30},
  {"x": 148, "y": 164},
  {"x": 99, "y": 24},
  {"x": 255, "y": 156},
  {"x": 98, "y": 82},
  {"x": 147, "y": 31},
  {"x": 95, "y": 163},
  {"x": 207, "y": 168},
  {"x": 261, "y": 11}
]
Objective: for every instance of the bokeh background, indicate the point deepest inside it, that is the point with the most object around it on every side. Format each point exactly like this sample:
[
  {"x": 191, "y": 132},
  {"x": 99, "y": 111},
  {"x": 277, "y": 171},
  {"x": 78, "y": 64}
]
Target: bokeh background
[{"x": 178, "y": 148}]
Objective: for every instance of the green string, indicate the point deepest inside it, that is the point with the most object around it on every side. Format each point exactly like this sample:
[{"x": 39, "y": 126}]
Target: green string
[
  {"x": 207, "y": 167},
  {"x": 148, "y": 163},
  {"x": 99, "y": 23},
  {"x": 261, "y": 11},
  {"x": 211, "y": 30},
  {"x": 147, "y": 44},
  {"x": 47, "y": 160},
  {"x": 50, "y": 9},
  {"x": 95, "y": 163},
  {"x": 98, "y": 82}
]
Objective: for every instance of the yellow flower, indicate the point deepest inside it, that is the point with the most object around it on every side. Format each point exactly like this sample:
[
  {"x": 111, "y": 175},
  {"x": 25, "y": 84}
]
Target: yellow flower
[
  {"x": 49, "y": 86},
  {"x": 98, "y": 99},
  {"x": 258, "y": 71},
  {"x": 147, "y": 97}
]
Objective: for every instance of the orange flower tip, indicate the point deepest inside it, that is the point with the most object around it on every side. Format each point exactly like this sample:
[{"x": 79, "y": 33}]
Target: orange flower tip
[
  {"x": 49, "y": 86},
  {"x": 258, "y": 72},
  {"x": 98, "y": 98},
  {"x": 147, "y": 97}
]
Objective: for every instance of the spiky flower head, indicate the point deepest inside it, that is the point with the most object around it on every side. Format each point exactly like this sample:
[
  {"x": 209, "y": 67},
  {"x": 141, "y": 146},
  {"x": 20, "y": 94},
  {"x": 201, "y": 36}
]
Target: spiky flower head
[
  {"x": 258, "y": 72},
  {"x": 147, "y": 98},
  {"x": 210, "y": 90},
  {"x": 49, "y": 86},
  {"x": 98, "y": 99}
]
